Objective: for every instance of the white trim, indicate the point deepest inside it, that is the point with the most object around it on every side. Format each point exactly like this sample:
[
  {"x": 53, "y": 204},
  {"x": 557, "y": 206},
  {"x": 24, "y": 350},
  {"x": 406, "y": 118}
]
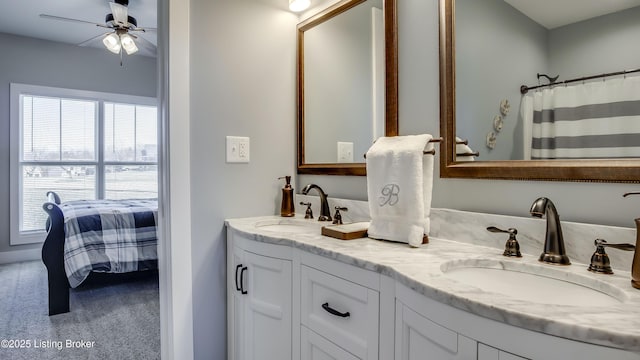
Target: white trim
[
  {"x": 38, "y": 90},
  {"x": 25, "y": 237},
  {"x": 176, "y": 297},
  {"x": 9, "y": 257},
  {"x": 14, "y": 151}
]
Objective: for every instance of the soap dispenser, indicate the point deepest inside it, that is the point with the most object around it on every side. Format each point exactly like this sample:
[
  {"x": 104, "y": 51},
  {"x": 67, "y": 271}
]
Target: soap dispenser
[{"x": 286, "y": 209}]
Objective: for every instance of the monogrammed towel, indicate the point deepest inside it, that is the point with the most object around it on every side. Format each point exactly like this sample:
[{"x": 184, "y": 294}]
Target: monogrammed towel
[{"x": 399, "y": 184}]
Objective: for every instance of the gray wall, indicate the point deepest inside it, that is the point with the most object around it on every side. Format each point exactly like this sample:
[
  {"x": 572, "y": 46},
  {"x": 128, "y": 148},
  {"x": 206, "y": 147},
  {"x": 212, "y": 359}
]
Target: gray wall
[
  {"x": 604, "y": 44},
  {"x": 497, "y": 50},
  {"x": 38, "y": 62},
  {"x": 242, "y": 83}
]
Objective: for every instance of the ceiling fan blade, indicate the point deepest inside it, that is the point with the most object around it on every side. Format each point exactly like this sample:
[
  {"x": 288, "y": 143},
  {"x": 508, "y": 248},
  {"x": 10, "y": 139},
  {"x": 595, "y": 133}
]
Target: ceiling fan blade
[
  {"x": 93, "y": 40},
  {"x": 145, "y": 44},
  {"x": 119, "y": 12},
  {"x": 53, "y": 17},
  {"x": 145, "y": 29}
]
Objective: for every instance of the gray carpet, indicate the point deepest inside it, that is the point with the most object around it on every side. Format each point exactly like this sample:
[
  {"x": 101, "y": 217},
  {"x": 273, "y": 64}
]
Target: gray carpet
[{"x": 120, "y": 316}]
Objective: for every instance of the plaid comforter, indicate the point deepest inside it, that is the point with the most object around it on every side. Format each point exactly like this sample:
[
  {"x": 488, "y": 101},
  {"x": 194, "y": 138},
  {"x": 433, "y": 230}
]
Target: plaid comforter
[{"x": 114, "y": 236}]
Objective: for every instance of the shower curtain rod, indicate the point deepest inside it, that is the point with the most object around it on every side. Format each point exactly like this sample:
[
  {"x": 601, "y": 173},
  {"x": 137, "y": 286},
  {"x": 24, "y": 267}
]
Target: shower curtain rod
[{"x": 524, "y": 88}]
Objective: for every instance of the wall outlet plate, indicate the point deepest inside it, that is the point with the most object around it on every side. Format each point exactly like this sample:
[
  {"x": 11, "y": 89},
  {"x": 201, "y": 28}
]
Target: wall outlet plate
[
  {"x": 238, "y": 149},
  {"x": 345, "y": 152}
]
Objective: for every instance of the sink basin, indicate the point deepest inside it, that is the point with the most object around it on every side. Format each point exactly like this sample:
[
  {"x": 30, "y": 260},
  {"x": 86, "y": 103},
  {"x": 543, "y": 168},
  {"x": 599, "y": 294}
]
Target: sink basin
[
  {"x": 289, "y": 226},
  {"x": 533, "y": 283}
]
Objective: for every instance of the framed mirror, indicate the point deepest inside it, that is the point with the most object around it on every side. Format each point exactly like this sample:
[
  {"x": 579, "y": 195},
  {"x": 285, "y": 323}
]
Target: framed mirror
[
  {"x": 477, "y": 55},
  {"x": 347, "y": 85}
]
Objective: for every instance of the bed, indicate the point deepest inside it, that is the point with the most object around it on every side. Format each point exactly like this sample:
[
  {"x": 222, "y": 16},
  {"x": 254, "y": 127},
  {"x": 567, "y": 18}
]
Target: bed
[{"x": 106, "y": 236}]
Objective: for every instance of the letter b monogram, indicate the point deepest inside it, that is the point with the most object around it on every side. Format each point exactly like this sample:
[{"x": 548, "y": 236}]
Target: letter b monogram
[{"x": 389, "y": 195}]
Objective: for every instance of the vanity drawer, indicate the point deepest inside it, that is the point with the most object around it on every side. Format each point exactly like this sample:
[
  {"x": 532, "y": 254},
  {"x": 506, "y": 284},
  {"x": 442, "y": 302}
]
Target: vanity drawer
[
  {"x": 341, "y": 311},
  {"x": 315, "y": 347}
]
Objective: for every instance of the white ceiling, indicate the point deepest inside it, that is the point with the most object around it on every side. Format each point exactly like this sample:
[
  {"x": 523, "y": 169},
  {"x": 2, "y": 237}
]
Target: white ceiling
[
  {"x": 22, "y": 17},
  {"x": 555, "y": 13}
]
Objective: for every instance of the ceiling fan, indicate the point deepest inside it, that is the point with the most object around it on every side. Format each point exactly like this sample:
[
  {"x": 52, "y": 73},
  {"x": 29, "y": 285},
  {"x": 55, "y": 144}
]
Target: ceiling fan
[{"x": 121, "y": 26}]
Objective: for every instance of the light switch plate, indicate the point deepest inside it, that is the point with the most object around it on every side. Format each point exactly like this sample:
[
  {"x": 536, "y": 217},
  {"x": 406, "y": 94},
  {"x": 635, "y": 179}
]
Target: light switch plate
[
  {"x": 345, "y": 152},
  {"x": 238, "y": 149}
]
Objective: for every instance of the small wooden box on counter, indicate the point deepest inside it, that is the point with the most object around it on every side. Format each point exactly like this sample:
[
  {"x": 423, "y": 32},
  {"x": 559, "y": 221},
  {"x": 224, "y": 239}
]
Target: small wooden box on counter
[{"x": 346, "y": 231}]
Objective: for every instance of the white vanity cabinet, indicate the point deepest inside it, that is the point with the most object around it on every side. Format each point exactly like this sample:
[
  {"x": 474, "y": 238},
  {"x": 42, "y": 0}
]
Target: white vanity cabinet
[
  {"x": 284, "y": 303},
  {"x": 319, "y": 299},
  {"x": 259, "y": 296},
  {"x": 418, "y": 338},
  {"x": 486, "y": 352},
  {"x": 425, "y": 327}
]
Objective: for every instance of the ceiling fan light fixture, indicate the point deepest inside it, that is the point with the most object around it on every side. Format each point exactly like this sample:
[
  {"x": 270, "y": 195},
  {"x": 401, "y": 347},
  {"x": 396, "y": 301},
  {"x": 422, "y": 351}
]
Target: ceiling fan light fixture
[
  {"x": 112, "y": 43},
  {"x": 128, "y": 44},
  {"x": 299, "y": 5}
]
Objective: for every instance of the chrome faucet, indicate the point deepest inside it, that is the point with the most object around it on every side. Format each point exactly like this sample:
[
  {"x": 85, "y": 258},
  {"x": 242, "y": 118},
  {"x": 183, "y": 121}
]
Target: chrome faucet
[
  {"x": 325, "y": 213},
  {"x": 554, "y": 252}
]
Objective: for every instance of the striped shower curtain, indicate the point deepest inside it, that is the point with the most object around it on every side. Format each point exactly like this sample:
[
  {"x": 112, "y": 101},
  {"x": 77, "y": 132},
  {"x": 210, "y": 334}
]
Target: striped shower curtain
[{"x": 600, "y": 119}]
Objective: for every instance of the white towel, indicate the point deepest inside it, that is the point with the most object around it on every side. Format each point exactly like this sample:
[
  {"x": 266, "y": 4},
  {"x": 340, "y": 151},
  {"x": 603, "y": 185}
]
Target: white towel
[
  {"x": 463, "y": 149},
  {"x": 399, "y": 185}
]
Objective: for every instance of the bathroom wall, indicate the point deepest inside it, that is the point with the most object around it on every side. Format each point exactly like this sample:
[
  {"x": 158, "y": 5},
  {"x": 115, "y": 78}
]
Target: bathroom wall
[
  {"x": 605, "y": 42},
  {"x": 242, "y": 77},
  {"x": 40, "y": 62},
  {"x": 419, "y": 113},
  {"x": 492, "y": 37},
  {"x": 242, "y": 64}
]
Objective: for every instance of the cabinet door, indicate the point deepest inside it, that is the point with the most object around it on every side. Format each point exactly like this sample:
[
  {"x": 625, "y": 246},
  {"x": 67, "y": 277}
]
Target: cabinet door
[
  {"x": 315, "y": 347},
  {"x": 267, "y": 308},
  {"x": 235, "y": 303},
  {"x": 420, "y": 338},
  {"x": 486, "y": 352}
]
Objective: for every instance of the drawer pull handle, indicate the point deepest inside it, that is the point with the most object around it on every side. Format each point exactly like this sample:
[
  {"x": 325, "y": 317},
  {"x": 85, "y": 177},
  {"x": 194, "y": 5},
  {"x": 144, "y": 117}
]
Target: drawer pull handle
[
  {"x": 237, "y": 268},
  {"x": 335, "y": 312},
  {"x": 242, "y": 290}
]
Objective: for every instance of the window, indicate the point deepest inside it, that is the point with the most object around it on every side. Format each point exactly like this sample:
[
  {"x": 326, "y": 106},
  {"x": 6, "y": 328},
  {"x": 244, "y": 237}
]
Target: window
[{"x": 80, "y": 144}]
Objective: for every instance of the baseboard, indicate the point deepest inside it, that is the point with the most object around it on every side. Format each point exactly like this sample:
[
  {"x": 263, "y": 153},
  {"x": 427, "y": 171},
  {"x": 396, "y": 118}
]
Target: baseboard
[{"x": 8, "y": 257}]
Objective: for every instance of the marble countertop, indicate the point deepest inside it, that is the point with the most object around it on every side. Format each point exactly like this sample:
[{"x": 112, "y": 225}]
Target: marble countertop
[{"x": 420, "y": 269}]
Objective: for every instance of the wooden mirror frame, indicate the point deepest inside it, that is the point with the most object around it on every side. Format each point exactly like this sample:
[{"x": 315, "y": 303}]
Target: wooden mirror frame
[
  {"x": 607, "y": 170},
  {"x": 391, "y": 85}
]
